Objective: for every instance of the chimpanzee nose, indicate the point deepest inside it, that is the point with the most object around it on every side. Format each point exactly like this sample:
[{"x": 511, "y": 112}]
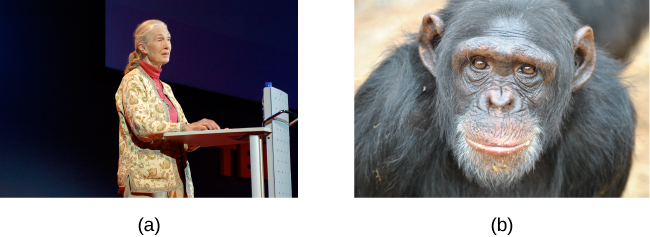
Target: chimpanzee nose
[{"x": 501, "y": 98}]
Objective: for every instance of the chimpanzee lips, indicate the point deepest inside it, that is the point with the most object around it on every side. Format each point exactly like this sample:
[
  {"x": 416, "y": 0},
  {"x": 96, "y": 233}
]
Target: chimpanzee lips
[{"x": 497, "y": 150}]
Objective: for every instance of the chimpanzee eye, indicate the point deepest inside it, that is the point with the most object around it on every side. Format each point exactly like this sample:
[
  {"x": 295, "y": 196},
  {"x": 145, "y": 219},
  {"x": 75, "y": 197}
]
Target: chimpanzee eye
[
  {"x": 479, "y": 63},
  {"x": 527, "y": 69}
]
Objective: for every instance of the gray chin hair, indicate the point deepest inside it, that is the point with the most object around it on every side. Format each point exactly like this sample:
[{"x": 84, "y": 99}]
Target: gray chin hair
[{"x": 469, "y": 161}]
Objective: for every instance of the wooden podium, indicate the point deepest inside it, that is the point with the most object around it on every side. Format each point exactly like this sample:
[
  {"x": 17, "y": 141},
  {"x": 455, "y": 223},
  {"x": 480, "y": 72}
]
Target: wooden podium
[
  {"x": 226, "y": 137},
  {"x": 275, "y": 132}
]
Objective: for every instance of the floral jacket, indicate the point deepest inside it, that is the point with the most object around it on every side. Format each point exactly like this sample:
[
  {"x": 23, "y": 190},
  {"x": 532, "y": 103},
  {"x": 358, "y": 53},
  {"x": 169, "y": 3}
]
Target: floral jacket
[{"x": 148, "y": 161}]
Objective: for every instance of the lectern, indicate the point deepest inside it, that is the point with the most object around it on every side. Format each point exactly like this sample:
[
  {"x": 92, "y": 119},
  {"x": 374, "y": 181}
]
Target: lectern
[{"x": 275, "y": 132}]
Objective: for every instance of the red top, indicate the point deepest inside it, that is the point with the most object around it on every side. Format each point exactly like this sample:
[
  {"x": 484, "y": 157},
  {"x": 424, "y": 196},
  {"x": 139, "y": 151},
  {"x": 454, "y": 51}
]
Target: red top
[{"x": 154, "y": 73}]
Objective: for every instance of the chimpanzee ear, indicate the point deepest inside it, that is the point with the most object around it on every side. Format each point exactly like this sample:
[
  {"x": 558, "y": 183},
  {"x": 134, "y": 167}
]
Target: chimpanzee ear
[
  {"x": 584, "y": 56},
  {"x": 430, "y": 34}
]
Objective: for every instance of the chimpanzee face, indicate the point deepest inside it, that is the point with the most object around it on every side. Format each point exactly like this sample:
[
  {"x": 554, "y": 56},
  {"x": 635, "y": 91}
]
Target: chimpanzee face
[{"x": 499, "y": 77}]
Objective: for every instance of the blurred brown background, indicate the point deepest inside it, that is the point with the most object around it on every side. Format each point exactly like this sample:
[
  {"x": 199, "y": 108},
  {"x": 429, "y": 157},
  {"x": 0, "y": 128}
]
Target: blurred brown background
[{"x": 380, "y": 24}]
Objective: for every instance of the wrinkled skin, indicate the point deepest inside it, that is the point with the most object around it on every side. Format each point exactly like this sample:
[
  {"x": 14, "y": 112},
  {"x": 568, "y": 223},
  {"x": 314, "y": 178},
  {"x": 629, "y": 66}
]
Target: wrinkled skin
[
  {"x": 494, "y": 98},
  {"x": 502, "y": 76}
]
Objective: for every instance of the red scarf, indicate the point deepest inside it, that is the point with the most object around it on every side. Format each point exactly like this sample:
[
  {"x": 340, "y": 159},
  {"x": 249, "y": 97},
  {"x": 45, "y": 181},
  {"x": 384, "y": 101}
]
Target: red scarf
[{"x": 154, "y": 73}]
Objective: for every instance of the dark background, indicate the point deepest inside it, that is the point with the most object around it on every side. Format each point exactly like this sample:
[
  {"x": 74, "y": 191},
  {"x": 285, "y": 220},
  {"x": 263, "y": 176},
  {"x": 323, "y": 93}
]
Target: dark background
[
  {"x": 227, "y": 47},
  {"x": 59, "y": 125}
]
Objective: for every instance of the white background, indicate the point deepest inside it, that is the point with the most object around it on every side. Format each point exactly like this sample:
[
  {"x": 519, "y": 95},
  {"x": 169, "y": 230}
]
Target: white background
[{"x": 326, "y": 206}]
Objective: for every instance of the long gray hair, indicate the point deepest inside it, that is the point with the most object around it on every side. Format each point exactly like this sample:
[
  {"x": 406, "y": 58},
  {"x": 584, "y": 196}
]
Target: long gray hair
[{"x": 141, "y": 35}]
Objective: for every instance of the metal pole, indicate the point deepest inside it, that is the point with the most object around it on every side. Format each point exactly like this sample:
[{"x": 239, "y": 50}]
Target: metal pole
[
  {"x": 261, "y": 165},
  {"x": 256, "y": 185}
]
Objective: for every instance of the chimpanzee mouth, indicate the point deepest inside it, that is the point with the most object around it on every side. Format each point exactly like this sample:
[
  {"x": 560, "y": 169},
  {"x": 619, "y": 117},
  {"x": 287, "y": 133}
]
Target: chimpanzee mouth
[
  {"x": 497, "y": 150},
  {"x": 499, "y": 159}
]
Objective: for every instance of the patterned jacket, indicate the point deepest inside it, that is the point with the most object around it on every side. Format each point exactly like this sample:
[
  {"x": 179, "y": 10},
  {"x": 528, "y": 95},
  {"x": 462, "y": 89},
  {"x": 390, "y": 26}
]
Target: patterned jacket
[{"x": 148, "y": 161}]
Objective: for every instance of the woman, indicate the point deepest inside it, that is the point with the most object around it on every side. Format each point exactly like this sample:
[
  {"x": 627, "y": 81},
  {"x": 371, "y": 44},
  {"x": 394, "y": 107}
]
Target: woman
[{"x": 150, "y": 165}]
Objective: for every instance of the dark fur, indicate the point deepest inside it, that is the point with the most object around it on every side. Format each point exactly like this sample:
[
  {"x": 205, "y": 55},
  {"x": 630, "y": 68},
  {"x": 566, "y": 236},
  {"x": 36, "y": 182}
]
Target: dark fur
[
  {"x": 403, "y": 132},
  {"x": 617, "y": 24}
]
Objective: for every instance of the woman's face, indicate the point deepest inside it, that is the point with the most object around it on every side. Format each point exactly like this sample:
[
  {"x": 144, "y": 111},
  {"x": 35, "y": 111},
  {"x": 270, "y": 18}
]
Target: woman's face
[{"x": 159, "y": 46}]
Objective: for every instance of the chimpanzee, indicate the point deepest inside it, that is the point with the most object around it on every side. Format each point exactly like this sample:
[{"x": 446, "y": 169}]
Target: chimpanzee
[
  {"x": 617, "y": 24},
  {"x": 495, "y": 98}
]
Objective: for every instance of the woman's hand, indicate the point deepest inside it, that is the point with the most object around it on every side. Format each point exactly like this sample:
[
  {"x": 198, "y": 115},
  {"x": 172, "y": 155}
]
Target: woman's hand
[{"x": 203, "y": 124}]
